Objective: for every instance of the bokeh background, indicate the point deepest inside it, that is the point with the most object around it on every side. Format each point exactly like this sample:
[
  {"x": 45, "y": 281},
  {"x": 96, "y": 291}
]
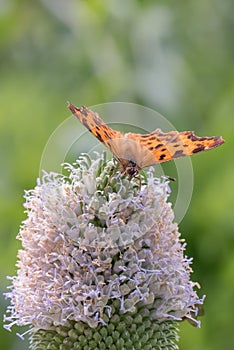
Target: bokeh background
[{"x": 176, "y": 57}]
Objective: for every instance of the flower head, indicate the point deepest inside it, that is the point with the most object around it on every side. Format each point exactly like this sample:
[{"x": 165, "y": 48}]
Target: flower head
[{"x": 96, "y": 246}]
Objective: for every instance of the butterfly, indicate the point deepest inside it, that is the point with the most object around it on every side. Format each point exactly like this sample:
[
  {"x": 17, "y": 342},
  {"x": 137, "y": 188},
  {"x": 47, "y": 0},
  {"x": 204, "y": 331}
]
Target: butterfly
[{"x": 137, "y": 151}]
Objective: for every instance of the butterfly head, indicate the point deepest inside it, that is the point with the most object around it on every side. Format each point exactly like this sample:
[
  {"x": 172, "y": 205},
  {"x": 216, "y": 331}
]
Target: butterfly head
[{"x": 128, "y": 168}]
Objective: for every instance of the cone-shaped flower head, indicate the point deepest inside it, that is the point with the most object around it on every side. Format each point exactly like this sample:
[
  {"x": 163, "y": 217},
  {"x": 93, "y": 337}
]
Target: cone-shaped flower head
[{"x": 101, "y": 255}]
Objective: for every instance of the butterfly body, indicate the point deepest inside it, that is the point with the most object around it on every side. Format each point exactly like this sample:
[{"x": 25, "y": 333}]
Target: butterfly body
[
  {"x": 136, "y": 151},
  {"x": 130, "y": 153}
]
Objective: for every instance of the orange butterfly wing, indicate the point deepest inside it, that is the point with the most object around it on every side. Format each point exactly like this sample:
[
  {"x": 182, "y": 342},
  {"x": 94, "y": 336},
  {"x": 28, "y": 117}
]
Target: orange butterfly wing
[
  {"x": 95, "y": 124},
  {"x": 144, "y": 149},
  {"x": 174, "y": 144}
]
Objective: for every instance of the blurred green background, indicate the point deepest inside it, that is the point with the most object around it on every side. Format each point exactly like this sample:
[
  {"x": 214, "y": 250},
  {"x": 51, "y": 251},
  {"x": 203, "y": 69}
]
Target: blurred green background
[{"x": 176, "y": 57}]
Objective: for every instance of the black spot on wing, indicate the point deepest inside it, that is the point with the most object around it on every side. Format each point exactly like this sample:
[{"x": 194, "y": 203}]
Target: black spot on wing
[
  {"x": 158, "y": 146},
  {"x": 106, "y": 134},
  {"x": 98, "y": 136},
  {"x": 199, "y": 149},
  {"x": 162, "y": 156}
]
